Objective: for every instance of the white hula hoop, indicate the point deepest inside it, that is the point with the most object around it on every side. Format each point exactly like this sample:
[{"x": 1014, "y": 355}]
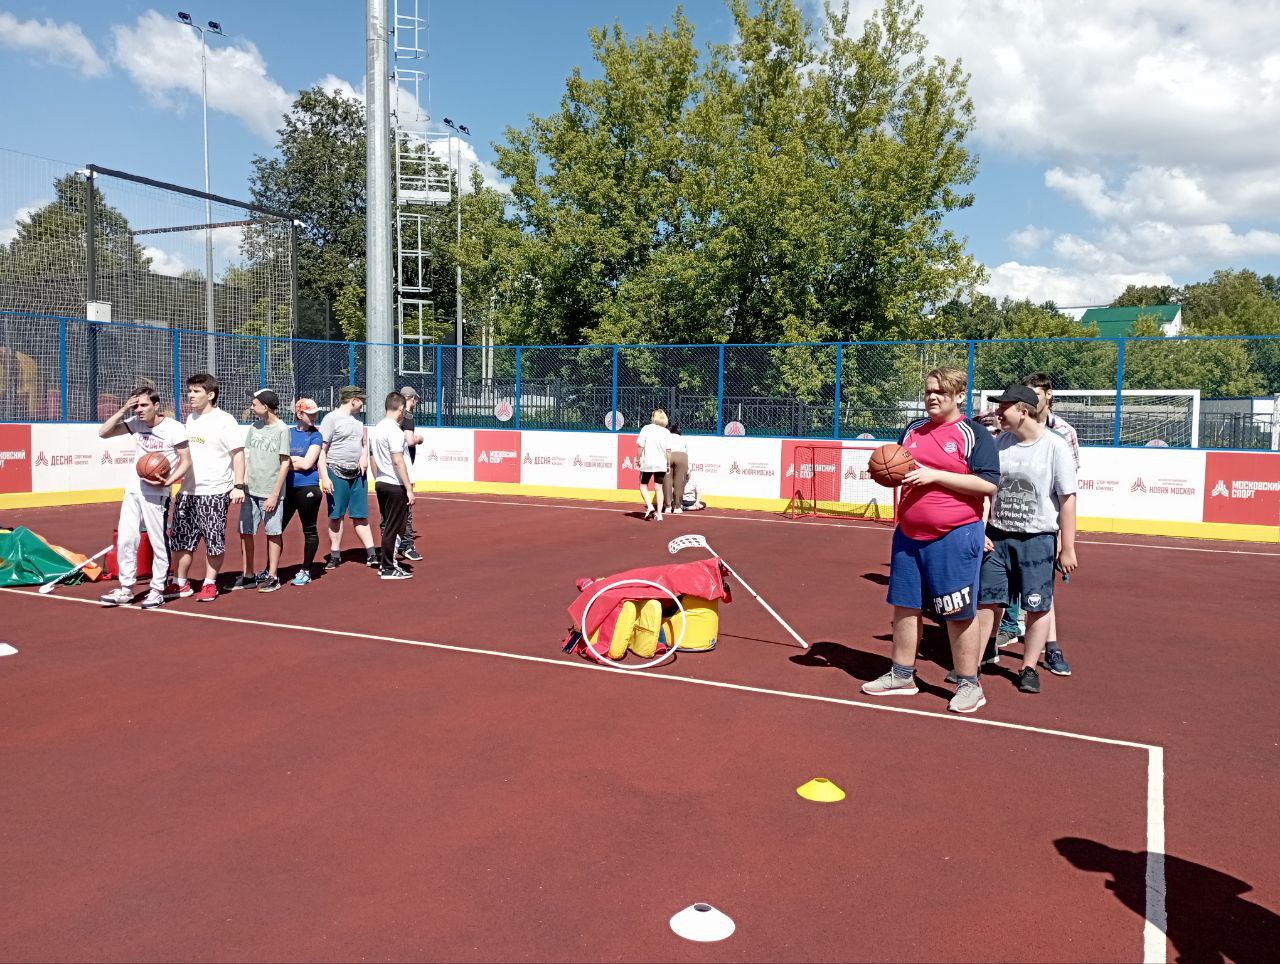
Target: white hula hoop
[{"x": 657, "y": 660}]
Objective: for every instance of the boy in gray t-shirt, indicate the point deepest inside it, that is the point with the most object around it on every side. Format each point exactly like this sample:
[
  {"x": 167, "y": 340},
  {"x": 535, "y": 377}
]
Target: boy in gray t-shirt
[
  {"x": 266, "y": 449},
  {"x": 1036, "y": 500}
]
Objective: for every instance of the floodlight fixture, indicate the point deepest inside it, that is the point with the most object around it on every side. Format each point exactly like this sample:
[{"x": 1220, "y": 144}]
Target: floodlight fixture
[
  {"x": 184, "y": 16},
  {"x": 448, "y": 122},
  {"x": 215, "y": 26},
  {"x": 465, "y": 129}
]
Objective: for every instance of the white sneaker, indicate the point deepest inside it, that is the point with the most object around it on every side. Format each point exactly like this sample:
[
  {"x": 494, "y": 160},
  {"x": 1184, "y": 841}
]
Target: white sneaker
[
  {"x": 117, "y": 597},
  {"x": 658, "y": 517},
  {"x": 890, "y": 685},
  {"x": 154, "y": 600},
  {"x": 676, "y": 511},
  {"x": 648, "y": 513}
]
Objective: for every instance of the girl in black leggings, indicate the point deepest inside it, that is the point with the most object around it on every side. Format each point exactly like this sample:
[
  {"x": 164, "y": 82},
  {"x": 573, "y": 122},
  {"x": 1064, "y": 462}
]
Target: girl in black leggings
[{"x": 302, "y": 493}]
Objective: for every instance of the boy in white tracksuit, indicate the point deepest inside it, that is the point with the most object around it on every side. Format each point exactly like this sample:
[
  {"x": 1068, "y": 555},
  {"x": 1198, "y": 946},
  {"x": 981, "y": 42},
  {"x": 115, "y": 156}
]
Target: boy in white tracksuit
[{"x": 146, "y": 503}]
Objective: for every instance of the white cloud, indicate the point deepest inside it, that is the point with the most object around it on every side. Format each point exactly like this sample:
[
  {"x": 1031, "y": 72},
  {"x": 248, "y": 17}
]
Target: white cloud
[
  {"x": 1062, "y": 286},
  {"x": 61, "y": 43},
  {"x": 9, "y": 228},
  {"x": 1160, "y": 119},
  {"x": 163, "y": 58},
  {"x": 165, "y": 262},
  {"x": 1030, "y": 239},
  {"x": 413, "y": 116}
]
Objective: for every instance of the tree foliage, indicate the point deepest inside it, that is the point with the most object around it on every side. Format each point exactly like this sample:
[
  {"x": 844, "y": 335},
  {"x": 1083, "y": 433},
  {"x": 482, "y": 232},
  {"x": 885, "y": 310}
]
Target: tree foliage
[{"x": 757, "y": 191}]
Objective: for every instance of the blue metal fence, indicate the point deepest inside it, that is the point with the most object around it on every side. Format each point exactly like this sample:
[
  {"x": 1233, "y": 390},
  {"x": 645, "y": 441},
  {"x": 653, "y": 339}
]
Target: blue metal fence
[{"x": 1135, "y": 391}]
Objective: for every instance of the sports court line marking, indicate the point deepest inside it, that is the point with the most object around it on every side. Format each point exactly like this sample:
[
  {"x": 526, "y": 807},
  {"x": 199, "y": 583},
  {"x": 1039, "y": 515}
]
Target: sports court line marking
[
  {"x": 1154, "y": 942},
  {"x": 878, "y": 527}
]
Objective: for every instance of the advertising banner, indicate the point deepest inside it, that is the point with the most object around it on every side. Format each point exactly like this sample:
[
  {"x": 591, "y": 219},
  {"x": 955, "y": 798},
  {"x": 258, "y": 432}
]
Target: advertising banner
[
  {"x": 71, "y": 458},
  {"x": 497, "y": 456},
  {"x": 15, "y": 458},
  {"x": 1141, "y": 484},
  {"x": 446, "y": 455},
  {"x": 1242, "y": 487},
  {"x": 574, "y": 459}
]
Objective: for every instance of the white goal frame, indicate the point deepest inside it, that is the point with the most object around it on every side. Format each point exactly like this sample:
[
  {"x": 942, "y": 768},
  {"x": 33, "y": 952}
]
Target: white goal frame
[{"x": 1066, "y": 394}]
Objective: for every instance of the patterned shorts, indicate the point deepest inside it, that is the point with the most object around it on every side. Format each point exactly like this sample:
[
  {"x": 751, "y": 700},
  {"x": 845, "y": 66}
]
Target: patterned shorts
[{"x": 197, "y": 517}]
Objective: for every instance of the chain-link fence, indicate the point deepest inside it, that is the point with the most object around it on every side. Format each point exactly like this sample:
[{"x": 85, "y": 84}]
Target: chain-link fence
[
  {"x": 158, "y": 254},
  {"x": 1179, "y": 392}
]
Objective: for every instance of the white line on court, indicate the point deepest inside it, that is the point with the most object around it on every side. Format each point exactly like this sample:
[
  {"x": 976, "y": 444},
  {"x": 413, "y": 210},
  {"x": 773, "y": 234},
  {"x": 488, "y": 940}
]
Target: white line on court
[
  {"x": 1154, "y": 944},
  {"x": 878, "y": 527},
  {"x": 1155, "y": 921}
]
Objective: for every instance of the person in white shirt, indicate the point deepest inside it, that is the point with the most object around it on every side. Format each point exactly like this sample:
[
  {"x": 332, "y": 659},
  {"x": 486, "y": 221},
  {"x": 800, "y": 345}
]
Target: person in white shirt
[
  {"x": 215, "y": 481},
  {"x": 677, "y": 469},
  {"x": 146, "y": 502},
  {"x": 692, "y": 495},
  {"x": 651, "y": 456},
  {"x": 391, "y": 483}
]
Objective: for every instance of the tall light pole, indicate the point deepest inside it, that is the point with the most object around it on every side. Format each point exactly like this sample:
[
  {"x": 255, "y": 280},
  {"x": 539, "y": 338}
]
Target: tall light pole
[
  {"x": 457, "y": 175},
  {"x": 209, "y": 326}
]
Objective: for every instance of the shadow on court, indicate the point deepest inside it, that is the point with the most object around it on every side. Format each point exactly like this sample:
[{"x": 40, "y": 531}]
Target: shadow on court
[
  {"x": 1209, "y": 919},
  {"x": 860, "y": 665}
]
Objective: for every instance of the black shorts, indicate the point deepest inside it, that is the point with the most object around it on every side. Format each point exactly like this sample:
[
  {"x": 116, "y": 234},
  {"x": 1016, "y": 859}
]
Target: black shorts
[
  {"x": 1019, "y": 567},
  {"x": 655, "y": 476},
  {"x": 197, "y": 517}
]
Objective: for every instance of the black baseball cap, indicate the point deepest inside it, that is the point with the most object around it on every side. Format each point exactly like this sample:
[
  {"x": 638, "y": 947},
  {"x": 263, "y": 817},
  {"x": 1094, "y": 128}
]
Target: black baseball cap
[
  {"x": 1018, "y": 393},
  {"x": 267, "y": 397}
]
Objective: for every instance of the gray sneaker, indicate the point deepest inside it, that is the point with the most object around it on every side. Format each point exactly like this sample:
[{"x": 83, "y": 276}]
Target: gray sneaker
[
  {"x": 967, "y": 699},
  {"x": 154, "y": 600},
  {"x": 117, "y": 597},
  {"x": 890, "y": 685},
  {"x": 1003, "y": 639}
]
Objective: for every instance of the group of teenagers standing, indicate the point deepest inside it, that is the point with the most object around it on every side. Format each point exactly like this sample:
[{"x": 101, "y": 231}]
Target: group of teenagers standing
[
  {"x": 271, "y": 472},
  {"x": 983, "y": 524}
]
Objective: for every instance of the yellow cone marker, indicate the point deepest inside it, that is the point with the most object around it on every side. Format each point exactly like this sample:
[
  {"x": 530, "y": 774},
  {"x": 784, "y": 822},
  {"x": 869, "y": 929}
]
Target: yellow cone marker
[{"x": 821, "y": 790}]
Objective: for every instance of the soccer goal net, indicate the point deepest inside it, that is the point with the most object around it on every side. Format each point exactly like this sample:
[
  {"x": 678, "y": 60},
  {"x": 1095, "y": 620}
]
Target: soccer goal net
[
  {"x": 832, "y": 479},
  {"x": 1154, "y": 417}
]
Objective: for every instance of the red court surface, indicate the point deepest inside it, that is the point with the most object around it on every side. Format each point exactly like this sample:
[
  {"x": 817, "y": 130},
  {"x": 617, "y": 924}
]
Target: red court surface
[{"x": 362, "y": 770}]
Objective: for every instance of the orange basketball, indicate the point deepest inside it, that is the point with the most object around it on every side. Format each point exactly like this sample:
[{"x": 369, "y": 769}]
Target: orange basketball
[
  {"x": 153, "y": 467},
  {"x": 889, "y": 465}
]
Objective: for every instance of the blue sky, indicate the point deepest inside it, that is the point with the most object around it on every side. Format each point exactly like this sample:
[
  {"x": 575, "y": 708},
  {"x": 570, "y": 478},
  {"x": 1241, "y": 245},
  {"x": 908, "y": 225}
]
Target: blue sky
[{"x": 1132, "y": 142}]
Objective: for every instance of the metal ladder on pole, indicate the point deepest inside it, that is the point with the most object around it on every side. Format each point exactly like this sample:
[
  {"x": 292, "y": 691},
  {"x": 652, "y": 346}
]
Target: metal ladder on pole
[{"x": 422, "y": 179}]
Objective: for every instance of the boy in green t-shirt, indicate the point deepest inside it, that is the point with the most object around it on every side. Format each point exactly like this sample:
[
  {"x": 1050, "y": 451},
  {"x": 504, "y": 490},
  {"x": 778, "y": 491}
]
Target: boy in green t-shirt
[{"x": 266, "y": 449}]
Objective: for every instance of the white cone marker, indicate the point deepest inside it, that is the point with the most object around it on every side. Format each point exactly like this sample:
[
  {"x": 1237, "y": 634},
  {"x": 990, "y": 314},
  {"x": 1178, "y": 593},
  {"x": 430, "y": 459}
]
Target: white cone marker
[
  {"x": 7, "y": 650},
  {"x": 702, "y": 922}
]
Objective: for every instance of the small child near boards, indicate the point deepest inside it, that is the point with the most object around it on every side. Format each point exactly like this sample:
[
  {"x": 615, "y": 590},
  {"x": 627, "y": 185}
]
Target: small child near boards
[{"x": 1035, "y": 500}]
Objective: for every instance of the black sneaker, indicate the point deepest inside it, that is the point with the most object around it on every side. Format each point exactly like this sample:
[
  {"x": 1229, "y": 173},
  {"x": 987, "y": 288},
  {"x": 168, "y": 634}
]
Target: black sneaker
[
  {"x": 372, "y": 560},
  {"x": 245, "y": 582},
  {"x": 395, "y": 573},
  {"x": 270, "y": 584},
  {"x": 1056, "y": 663},
  {"x": 1028, "y": 681},
  {"x": 333, "y": 562},
  {"x": 412, "y": 554}
]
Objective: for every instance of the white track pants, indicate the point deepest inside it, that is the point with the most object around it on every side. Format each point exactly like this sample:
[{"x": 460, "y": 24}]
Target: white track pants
[{"x": 135, "y": 511}]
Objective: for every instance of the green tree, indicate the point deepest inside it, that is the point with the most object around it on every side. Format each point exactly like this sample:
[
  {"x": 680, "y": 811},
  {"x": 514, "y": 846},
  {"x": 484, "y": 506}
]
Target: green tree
[
  {"x": 757, "y": 193},
  {"x": 1140, "y": 296},
  {"x": 318, "y": 173}
]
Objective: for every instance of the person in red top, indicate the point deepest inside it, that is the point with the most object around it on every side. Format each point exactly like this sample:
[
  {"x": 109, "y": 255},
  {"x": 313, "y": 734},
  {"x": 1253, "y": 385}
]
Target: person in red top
[{"x": 938, "y": 542}]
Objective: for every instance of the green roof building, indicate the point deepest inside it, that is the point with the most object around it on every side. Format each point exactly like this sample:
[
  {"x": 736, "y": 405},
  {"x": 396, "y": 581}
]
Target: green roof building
[{"x": 1118, "y": 322}]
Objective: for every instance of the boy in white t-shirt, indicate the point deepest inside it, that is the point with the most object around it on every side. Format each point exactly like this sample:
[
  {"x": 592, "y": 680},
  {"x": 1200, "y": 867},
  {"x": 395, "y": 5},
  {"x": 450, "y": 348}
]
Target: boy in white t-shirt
[
  {"x": 1032, "y": 526},
  {"x": 394, "y": 488},
  {"x": 216, "y": 480},
  {"x": 145, "y": 503},
  {"x": 651, "y": 457}
]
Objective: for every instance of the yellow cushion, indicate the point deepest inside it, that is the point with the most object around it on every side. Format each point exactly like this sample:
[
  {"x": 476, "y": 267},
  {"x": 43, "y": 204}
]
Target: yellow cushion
[
  {"x": 701, "y": 620},
  {"x": 623, "y": 631},
  {"x": 648, "y": 625}
]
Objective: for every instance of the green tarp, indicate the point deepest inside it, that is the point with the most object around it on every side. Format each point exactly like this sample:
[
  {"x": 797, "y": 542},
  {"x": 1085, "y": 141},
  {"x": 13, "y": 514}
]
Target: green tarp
[{"x": 25, "y": 560}]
